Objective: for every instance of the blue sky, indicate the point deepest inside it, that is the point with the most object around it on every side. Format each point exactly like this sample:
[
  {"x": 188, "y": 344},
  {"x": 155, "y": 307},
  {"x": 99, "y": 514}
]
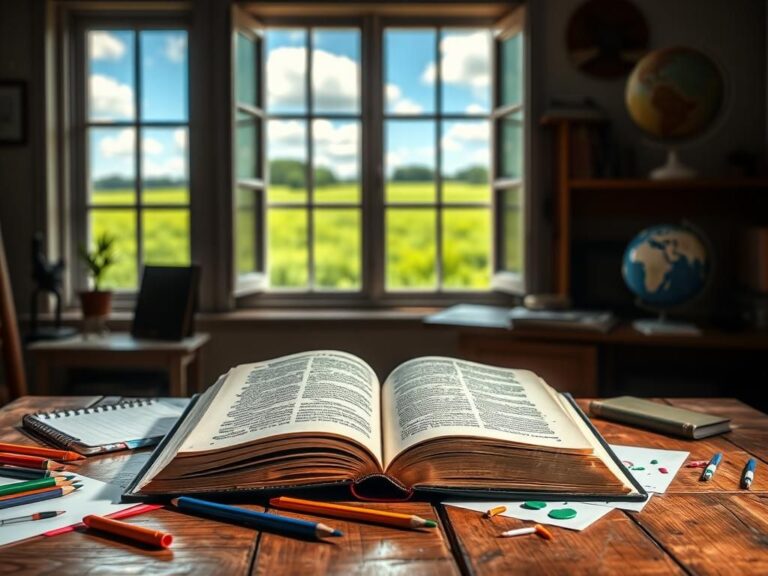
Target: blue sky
[{"x": 410, "y": 71}]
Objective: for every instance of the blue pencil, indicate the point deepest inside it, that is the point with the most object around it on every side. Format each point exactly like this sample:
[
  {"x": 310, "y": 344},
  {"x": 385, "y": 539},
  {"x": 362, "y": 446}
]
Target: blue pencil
[
  {"x": 24, "y": 473},
  {"x": 39, "y": 497},
  {"x": 709, "y": 471},
  {"x": 259, "y": 520},
  {"x": 749, "y": 473}
]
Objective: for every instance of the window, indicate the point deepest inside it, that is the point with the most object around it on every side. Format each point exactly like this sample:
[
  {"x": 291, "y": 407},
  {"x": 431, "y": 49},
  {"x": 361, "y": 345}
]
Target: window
[
  {"x": 133, "y": 126},
  {"x": 386, "y": 158}
]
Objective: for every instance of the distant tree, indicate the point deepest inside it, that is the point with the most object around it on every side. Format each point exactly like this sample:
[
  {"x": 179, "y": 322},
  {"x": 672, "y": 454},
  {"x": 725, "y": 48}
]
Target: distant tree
[
  {"x": 324, "y": 176},
  {"x": 413, "y": 173},
  {"x": 112, "y": 182},
  {"x": 286, "y": 172},
  {"x": 473, "y": 175}
]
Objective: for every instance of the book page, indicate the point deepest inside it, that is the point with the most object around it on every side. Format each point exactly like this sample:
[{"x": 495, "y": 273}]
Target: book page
[
  {"x": 434, "y": 397},
  {"x": 324, "y": 391}
]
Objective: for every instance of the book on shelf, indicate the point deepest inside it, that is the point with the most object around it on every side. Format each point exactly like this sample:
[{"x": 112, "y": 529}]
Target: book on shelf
[
  {"x": 600, "y": 321},
  {"x": 436, "y": 427}
]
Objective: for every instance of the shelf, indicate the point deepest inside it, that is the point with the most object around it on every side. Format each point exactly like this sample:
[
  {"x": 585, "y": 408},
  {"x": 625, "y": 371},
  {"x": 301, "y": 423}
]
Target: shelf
[{"x": 645, "y": 184}]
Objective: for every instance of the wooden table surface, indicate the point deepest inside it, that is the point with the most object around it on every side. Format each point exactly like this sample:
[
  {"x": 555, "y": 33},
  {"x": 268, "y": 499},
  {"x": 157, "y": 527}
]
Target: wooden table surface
[{"x": 695, "y": 528}]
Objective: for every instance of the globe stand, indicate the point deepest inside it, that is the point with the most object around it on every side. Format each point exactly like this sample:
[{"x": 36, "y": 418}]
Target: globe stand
[
  {"x": 663, "y": 326},
  {"x": 674, "y": 169}
]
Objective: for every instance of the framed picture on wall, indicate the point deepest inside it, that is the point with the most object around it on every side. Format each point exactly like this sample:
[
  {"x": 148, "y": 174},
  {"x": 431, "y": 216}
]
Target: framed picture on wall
[{"x": 13, "y": 112}]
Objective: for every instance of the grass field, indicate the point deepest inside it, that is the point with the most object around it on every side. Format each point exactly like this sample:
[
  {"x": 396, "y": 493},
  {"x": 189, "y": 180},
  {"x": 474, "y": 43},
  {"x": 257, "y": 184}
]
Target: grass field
[{"x": 410, "y": 244}]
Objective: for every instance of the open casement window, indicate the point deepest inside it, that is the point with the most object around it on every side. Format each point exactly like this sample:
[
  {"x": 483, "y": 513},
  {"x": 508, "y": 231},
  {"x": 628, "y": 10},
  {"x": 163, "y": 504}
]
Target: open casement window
[
  {"x": 509, "y": 173},
  {"x": 247, "y": 144}
]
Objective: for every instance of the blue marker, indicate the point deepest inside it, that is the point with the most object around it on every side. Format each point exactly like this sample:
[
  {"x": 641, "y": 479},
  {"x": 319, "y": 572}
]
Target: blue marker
[
  {"x": 709, "y": 471},
  {"x": 749, "y": 473}
]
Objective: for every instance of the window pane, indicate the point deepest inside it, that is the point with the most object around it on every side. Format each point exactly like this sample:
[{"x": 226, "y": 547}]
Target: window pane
[
  {"x": 465, "y": 146},
  {"x": 411, "y": 249},
  {"x": 286, "y": 70},
  {"x": 337, "y": 249},
  {"x": 511, "y": 150},
  {"x": 511, "y": 69},
  {"x": 512, "y": 242},
  {"x": 337, "y": 161},
  {"x": 465, "y": 67},
  {"x": 467, "y": 248},
  {"x": 164, "y": 82},
  {"x": 247, "y": 147},
  {"x": 112, "y": 165},
  {"x": 335, "y": 71},
  {"x": 410, "y": 161},
  {"x": 287, "y": 157},
  {"x": 245, "y": 230},
  {"x": 122, "y": 225},
  {"x": 111, "y": 82},
  {"x": 166, "y": 237},
  {"x": 287, "y": 245},
  {"x": 410, "y": 71},
  {"x": 247, "y": 75},
  {"x": 164, "y": 167}
]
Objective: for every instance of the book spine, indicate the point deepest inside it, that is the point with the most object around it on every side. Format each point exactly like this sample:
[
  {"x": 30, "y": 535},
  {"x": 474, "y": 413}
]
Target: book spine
[{"x": 642, "y": 420}]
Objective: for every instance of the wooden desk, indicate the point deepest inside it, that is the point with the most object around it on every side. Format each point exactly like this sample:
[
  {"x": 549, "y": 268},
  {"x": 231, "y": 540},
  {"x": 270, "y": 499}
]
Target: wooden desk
[
  {"x": 120, "y": 350},
  {"x": 702, "y": 528}
]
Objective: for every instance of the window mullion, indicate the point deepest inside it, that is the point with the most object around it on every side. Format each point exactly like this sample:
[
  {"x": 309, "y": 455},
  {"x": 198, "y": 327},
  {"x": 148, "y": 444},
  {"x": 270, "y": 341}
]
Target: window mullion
[
  {"x": 137, "y": 154},
  {"x": 438, "y": 164},
  {"x": 310, "y": 213}
]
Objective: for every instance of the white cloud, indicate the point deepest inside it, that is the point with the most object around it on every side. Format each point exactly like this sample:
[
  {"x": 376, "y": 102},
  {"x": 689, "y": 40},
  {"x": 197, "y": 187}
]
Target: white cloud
[
  {"x": 105, "y": 46},
  {"x": 399, "y": 105},
  {"x": 170, "y": 167},
  {"x": 335, "y": 79},
  {"x": 463, "y": 134},
  {"x": 475, "y": 109},
  {"x": 337, "y": 147},
  {"x": 286, "y": 133},
  {"x": 109, "y": 99},
  {"x": 180, "y": 138},
  {"x": 123, "y": 144},
  {"x": 465, "y": 60},
  {"x": 407, "y": 156},
  {"x": 176, "y": 47}
]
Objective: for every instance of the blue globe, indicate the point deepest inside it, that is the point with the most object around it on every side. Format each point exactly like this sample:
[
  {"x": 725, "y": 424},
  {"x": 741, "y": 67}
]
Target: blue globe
[{"x": 666, "y": 265}]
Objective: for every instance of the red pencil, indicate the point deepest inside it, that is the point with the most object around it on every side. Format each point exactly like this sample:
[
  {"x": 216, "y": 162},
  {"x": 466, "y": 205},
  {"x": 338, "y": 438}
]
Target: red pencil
[
  {"x": 29, "y": 461},
  {"x": 53, "y": 454}
]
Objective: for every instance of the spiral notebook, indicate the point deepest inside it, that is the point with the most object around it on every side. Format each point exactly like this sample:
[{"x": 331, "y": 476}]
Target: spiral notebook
[{"x": 125, "y": 425}]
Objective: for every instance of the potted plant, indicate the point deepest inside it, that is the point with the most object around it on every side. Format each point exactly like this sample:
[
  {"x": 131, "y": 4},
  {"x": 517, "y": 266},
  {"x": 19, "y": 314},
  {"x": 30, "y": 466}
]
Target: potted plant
[{"x": 97, "y": 303}]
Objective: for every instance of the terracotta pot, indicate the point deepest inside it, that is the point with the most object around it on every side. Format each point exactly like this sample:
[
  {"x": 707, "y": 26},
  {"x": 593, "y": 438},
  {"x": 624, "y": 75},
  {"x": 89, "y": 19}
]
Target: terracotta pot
[{"x": 96, "y": 304}]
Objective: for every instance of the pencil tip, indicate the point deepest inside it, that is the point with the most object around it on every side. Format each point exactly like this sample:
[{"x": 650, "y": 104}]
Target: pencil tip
[
  {"x": 337, "y": 533},
  {"x": 60, "y": 512},
  {"x": 175, "y": 501},
  {"x": 430, "y": 524}
]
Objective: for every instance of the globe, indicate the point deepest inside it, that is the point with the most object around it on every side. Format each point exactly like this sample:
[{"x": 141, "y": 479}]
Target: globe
[
  {"x": 674, "y": 93},
  {"x": 666, "y": 265}
]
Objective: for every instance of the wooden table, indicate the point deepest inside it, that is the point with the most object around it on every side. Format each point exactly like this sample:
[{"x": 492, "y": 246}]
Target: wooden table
[
  {"x": 695, "y": 528},
  {"x": 121, "y": 350}
]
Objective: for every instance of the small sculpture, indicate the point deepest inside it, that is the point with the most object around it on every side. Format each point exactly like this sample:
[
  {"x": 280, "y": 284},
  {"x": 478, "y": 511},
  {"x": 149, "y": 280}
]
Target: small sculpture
[{"x": 48, "y": 280}]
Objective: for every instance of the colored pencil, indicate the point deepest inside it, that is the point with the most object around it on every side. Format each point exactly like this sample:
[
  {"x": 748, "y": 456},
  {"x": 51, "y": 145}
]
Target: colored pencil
[
  {"x": 258, "y": 520},
  {"x": 33, "y": 485},
  {"x": 38, "y": 490},
  {"x": 39, "y": 497},
  {"x": 129, "y": 531},
  {"x": 711, "y": 468},
  {"x": 53, "y": 454},
  {"x": 495, "y": 511},
  {"x": 25, "y": 473},
  {"x": 32, "y": 517},
  {"x": 748, "y": 475},
  {"x": 29, "y": 461},
  {"x": 352, "y": 512},
  {"x": 538, "y": 529}
]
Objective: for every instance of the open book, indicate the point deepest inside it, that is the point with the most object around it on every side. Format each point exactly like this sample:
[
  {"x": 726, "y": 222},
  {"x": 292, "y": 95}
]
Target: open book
[{"x": 436, "y": 425}]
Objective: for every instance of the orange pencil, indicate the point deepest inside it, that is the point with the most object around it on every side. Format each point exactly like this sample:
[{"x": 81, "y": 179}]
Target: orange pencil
[
  {"x": 29, "y": 461},
  {"x": 138, "y": 533},
  {"x": 352, "y": 512},
  {"x": 40, "y": 490},
  {"x": 53, "y": 454}
]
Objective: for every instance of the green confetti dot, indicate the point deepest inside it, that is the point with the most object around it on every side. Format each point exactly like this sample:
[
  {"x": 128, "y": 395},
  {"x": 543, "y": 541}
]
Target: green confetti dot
[
  {"x": 654, "y": 461},
  {"x": 637, "y": 468},
  {"x": 534, "y": 505},
  {"x": 562, "y": 514}
]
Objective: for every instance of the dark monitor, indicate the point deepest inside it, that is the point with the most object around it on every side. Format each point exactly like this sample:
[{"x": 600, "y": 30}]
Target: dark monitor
[{"x": 167, "y": 302}]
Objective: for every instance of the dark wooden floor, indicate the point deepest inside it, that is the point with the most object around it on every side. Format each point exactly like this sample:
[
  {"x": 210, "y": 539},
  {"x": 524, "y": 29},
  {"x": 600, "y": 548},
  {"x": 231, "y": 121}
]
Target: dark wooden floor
[{"x": 696, "y": 528}]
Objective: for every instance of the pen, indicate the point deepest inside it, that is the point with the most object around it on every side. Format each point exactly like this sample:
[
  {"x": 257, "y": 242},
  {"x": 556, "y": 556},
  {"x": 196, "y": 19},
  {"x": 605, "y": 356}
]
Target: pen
[
  {"x": 131, "y": 531},
  {"x": 29, "y": 461},
  {"x": 65, "y": 455},
  {"x": 258, "y": 520},
  {"x": 352, "y": 512},
  {"x": 32, "y": 517},
  {"x": 748, "y": 474},
  {"x": 709, "y": 471}
]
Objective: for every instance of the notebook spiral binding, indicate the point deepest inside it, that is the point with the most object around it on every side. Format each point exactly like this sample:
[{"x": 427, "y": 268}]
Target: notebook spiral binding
[{"x": 106, "y": 408}]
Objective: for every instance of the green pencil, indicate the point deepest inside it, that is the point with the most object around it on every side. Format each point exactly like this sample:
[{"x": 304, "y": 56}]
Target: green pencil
[{"x": 28, "y": 485}]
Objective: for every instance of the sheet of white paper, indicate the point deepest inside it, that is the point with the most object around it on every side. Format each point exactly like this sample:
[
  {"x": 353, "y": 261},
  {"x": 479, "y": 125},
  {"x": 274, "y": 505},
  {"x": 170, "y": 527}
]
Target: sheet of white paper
[
  {"x": 638, "y": 462},
  {"x": 586, "y": 514},
  {"x": 93, "y": 498}
]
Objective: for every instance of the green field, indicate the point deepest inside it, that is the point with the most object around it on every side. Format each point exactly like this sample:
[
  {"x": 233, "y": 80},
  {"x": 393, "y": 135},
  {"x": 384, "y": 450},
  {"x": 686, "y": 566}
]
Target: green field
[{"x": 410, "y": 245}]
